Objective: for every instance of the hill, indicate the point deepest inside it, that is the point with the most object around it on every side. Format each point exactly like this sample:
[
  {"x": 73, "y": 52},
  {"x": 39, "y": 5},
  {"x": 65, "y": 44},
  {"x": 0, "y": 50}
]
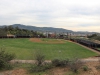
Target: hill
[
  {"x": 43, "y": 29},
  {"x": 49, "y": 29}
]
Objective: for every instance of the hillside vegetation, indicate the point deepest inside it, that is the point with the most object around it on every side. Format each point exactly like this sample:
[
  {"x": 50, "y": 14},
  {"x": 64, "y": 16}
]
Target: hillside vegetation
[{"x": 94, "y": 36}]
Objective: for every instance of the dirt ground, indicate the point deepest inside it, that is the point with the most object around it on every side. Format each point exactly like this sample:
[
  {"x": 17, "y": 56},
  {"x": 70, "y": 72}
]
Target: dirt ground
[
  {"x": 64, "y": 71},
  {"x": 50, "y": 42},
  {"x": 14, "y": 72},
  {"x": 35, "y": 39},
  {"x": 58, "y": 71},
  {"x": 92, "y": 69}
]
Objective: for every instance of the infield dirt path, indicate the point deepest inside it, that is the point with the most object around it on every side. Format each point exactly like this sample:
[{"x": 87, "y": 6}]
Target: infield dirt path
[
  {"x": 91, "y": 59},
  {"x": 57, "y": 41},
  {"x": 35, "y": 39}
]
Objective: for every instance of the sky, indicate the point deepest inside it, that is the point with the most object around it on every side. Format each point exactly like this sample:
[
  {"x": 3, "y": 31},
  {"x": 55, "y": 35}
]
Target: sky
[{"x": 76, "y": 15}]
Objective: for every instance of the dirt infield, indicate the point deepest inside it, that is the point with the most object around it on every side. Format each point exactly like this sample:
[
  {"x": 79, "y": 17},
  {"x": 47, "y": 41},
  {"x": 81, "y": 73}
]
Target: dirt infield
[
  {"x": 57, "y": 41},
  {"x": 35, "y": 39}
]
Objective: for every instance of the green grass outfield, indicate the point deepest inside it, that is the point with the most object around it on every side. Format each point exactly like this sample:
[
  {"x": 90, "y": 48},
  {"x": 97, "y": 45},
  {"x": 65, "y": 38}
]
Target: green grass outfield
[{"x": 24, "y": 49}]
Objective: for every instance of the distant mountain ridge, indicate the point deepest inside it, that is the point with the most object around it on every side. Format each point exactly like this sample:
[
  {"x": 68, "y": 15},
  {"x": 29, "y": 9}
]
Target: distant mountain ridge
[
  {"x": 48, "y": 29},
  {"x": 43, "y": 29}
]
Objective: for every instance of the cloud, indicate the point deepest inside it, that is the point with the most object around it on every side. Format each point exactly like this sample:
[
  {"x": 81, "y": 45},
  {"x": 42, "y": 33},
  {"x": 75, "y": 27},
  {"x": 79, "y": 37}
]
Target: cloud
[{"x": 74, "y": 14}]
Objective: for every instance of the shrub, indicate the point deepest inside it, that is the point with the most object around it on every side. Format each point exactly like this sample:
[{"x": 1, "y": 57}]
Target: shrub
[
  {"x": 35, "y": 68},
  {"x": 75, "y": 65},
  {"x": 39, "y": 57},
  {"x": 60, "y": 63},
  {"x": 42, "y": 68},
  {"x": 40, "y": 64},
  {"x": 5, "y": 58},
  {"x": 85, "y": 68},
  {"x": 48, "y": 66},
  {"x": 55, "y": 62}
]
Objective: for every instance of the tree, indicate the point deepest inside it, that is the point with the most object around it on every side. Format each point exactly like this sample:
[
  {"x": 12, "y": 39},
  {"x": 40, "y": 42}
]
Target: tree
[
  {"x": 5, "y": 58},
  {"x": 2, "y": 32},
  {"x": 10, "y": 28},
  {"x": 93, "y": 35}
]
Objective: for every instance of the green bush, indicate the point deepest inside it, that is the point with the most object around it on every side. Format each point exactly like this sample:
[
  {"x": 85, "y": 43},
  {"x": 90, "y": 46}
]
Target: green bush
[
  {"x": 35, "y": 68},
  {"x": 8, "y": 66},
  {"x": 85, "y": 68},
  {"x": 40, "y": 64},
  {"x": 5, "y": 59},
  {"x": 42, "y": 68},
  {"x": 60, "y": 63},
  {"x": 39, "y": 57},
  {"x": 48, "y": 66}
]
